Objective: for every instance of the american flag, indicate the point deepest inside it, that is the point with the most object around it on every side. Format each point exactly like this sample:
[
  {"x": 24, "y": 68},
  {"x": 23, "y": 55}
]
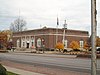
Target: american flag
[{"x": 57, "y": 21}]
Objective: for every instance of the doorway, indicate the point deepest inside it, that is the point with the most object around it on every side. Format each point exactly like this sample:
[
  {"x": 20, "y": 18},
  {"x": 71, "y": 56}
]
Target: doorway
[{"x": 27, "y": 45}]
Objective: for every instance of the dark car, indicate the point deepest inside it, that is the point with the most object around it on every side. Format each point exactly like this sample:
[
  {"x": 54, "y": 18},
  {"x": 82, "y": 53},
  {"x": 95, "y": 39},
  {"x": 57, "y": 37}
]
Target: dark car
[{"x": 98, "y": 50}]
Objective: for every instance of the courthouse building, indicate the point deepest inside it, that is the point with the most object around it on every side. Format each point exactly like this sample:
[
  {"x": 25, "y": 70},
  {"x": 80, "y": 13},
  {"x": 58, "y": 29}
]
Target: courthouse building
[{"x": 48, "y": 37}]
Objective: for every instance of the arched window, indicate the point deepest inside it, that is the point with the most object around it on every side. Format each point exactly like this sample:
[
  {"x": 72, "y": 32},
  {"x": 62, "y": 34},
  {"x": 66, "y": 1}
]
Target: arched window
[{"x": 38, "y": 42}]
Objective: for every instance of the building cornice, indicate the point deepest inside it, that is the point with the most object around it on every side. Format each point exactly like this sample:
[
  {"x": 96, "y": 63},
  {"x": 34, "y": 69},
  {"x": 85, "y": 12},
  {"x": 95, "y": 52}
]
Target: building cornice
[{"x": 51, "y": 34}]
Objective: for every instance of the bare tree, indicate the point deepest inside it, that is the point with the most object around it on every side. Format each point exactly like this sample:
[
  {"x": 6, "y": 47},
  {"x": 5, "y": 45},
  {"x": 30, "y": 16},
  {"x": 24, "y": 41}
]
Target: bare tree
[{"x": 18, "y": 25}]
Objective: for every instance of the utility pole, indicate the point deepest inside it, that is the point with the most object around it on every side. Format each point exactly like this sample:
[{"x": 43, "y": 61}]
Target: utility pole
[{"x": 93, "y": 35}]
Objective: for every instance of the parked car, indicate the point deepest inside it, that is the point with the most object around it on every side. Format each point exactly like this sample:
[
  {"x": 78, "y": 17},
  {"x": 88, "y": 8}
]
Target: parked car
[
  {"x": 98, "y": 50},
  {"x": 65, "y": 50}
]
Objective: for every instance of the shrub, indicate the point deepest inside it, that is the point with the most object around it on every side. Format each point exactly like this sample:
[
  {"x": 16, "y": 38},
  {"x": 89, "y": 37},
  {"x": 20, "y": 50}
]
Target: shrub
[
  {"x": 86, "y": 45},
  {"x": 59, "y": 46},
  {"x": 2, "y": 70},
  {"x": 74, "y": 45}
]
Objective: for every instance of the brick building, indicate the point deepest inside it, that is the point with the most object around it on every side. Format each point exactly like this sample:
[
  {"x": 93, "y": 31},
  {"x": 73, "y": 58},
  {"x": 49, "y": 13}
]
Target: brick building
[{"x": 48, "y": 37}]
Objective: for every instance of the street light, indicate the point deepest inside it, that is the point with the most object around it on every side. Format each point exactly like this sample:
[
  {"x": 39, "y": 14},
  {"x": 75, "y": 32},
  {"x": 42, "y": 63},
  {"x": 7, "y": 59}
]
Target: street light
[{"x": 65, "y": 27}]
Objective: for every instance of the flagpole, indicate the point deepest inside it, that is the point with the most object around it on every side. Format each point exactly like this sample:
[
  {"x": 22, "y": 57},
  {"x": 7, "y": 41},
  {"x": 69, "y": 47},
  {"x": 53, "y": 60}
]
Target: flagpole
[
  {"x": 56, "y": 34},
  {"x": 57, "y": 30}
]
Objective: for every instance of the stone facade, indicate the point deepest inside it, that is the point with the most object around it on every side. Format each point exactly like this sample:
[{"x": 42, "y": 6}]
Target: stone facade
[{"x": 48, "y": 37}]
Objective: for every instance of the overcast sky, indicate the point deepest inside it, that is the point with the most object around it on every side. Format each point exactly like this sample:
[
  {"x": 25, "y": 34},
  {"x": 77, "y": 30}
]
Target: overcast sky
[{"x": 42, "y": 13}]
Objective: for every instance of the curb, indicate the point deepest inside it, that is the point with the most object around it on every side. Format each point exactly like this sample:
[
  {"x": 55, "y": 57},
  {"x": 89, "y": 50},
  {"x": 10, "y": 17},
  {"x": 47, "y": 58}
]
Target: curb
[{"x": 48, "y": 55}]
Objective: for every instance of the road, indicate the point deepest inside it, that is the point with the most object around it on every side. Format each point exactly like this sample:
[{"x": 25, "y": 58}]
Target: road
[{"x": 73, "y": 64}]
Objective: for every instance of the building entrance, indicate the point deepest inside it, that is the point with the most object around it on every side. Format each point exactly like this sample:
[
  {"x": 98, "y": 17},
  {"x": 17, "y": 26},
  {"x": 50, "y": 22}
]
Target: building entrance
[{"x": 27, "y": 45}]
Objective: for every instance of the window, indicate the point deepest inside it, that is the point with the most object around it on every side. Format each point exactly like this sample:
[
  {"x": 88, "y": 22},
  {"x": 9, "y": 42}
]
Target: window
[
  {"x": 39, "y": 42},
  {"x": 81, "y": 44}
]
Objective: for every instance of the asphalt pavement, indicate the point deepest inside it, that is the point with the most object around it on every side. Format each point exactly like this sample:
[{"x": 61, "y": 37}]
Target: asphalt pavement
[{"x": 65, "y": 62}]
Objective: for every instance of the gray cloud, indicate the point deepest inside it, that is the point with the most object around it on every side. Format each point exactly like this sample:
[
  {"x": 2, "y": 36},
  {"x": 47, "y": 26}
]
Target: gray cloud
[{"x": 45, "y": 12}]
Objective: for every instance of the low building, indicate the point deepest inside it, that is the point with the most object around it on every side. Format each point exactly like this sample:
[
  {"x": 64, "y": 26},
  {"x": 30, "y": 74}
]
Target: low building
[{"x": 48, "y": 37}]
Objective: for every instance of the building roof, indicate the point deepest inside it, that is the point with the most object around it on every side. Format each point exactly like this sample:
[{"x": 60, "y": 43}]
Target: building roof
[{"x": 53, "y": 29}]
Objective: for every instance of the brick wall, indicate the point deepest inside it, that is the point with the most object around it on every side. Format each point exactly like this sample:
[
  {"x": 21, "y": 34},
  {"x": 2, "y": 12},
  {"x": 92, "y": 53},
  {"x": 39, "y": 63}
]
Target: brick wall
[{"x": 49, "y": 36}]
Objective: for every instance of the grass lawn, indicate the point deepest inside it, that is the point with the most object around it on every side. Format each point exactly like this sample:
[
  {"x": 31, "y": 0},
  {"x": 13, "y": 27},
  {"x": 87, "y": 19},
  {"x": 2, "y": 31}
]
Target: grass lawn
[{"x": 10, "y": 73}]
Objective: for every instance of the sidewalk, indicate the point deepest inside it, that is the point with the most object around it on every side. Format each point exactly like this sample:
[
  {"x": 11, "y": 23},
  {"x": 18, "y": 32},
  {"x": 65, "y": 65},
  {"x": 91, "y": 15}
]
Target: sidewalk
[
  {"x": 46, "y": 54},
  {"x": 20, "y": 71}
]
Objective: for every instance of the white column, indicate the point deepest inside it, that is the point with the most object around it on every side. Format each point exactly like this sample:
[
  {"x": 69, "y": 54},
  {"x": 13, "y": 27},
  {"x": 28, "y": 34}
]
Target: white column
[
  {"x": 21, "y": 42},
  {"x": 30, "y": 42},
  {"x": 18, "y": 43},
  {"x": 34, "y": 41},
  {"x": 25, "y": 42}
]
